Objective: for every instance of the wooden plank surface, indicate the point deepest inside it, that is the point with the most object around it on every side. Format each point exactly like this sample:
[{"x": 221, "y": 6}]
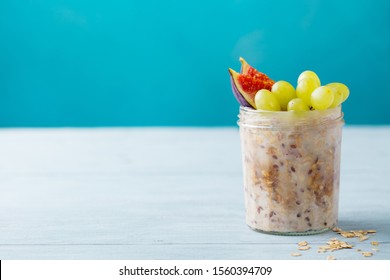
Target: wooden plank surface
[{"x": 164, "y": 193}]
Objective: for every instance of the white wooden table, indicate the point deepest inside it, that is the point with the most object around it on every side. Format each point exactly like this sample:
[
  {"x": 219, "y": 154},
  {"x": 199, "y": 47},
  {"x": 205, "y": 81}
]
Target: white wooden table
[{"x": 165, "y": 193}]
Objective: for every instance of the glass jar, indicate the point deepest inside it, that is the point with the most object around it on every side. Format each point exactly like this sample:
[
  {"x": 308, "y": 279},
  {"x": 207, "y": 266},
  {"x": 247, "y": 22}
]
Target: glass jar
[{"x": 291, "y": 169}]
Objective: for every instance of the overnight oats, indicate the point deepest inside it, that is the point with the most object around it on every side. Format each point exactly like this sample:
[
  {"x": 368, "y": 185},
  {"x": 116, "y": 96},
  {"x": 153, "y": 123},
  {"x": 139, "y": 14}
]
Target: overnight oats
[
  {"x": 291, "y": 140},
  {"x": 291, "y": 165}
]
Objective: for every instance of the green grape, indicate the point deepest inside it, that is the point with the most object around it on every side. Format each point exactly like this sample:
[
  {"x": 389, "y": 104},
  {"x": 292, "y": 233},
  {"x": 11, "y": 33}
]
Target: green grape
[
  {"x": 264, "y": 100},
  {"x": 309, "y": 75},
  {"x": 338, "y": 97},
  {"x": 284, "y": 92},
  {"x": 297, "y": 105},
  {"x": 304, "y": 89},
  {"x": 322, "y": 98},
  {"x": 341, "y": 88}
]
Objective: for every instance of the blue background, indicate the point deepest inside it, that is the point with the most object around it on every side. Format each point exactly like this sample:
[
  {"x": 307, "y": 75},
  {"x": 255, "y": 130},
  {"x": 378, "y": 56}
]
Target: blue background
[{"x": 134, "y": 63}]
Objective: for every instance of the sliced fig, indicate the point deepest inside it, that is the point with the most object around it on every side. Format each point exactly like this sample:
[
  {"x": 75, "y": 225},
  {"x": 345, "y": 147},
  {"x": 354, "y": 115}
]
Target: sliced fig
[
  {"x": 244, "y": 66},
  {"x": 237, "y": 94},
  {"x": 246, "y": 84}
]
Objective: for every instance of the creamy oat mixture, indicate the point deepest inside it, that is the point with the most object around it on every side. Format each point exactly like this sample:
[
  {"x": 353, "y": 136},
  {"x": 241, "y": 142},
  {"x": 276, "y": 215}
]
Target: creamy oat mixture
[{"x": 291, "y": 175}]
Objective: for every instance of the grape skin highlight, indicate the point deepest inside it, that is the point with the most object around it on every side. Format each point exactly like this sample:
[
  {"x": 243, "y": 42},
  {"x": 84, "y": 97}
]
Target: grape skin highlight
[
  {"x": 339, "y": 87},
  {"x": 338, "y": 97},
  {"x": 284, "y": 92},
  {"x": 297, "y": 105},
  {"x": 264, "y": 100},
  {"x": 322, "y": 98},
  {"x": 304, "y": 89},
  {"x": 309, "y": 75}
]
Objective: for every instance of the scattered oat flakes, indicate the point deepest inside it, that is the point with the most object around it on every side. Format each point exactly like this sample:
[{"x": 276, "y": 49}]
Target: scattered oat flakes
[
  {"x": 367, "y": 254},
  {"x": 347, "y": 234},
  {"x": 361, "y": 234},
  {"x": 336, "y": 229},
  {"x": 334, "y": 244},
  {"x": 302, "y": 243},
  {"x": 296, "y": 254},
  {"x": 364, "y": 237}
]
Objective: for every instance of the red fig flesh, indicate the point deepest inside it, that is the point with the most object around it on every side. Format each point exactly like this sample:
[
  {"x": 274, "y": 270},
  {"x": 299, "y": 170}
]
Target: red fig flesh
[{"x": 246, "y": 84}]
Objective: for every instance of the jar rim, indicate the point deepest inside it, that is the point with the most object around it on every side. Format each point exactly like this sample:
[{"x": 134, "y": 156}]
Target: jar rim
[
  {"x": 250, "y": 117},
  {"x": 257, "y": 111}
]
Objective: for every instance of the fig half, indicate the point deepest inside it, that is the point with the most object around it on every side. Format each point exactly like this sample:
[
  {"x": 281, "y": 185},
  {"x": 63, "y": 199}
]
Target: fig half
[{"x": 247, "y": 83}]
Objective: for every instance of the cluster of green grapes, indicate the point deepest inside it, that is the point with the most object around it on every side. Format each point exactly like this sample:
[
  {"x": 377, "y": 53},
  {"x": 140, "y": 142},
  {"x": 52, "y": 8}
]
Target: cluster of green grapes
[{"x": 308, "y": 95}]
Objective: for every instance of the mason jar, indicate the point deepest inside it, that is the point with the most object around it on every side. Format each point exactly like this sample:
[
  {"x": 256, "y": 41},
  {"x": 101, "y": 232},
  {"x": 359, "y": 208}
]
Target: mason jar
[{"x": 291, "y": 169}]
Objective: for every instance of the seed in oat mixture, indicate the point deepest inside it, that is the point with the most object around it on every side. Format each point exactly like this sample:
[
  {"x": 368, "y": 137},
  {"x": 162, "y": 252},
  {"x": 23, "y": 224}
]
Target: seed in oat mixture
[
  {"x": 275, "y": 156},
  {"x": 296, "y": 254},
  {"x": 292, "y": 169},
  {"x": 304, "y": 248},
  {"x": 293, "y": 146},
  {"x": 309, "y": 172},
  {"x": 374, "y": 243},
  {"x": 358, "y": 250},
  {"x": 307, "y": 219},
  {"x": 299, "y": 215},
  {"x": 367, "y": 254}
]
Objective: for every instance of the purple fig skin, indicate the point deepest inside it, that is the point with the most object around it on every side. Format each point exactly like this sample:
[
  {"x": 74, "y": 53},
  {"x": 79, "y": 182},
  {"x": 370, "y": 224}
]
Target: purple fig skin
[{"x": 238, "y": 95}]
